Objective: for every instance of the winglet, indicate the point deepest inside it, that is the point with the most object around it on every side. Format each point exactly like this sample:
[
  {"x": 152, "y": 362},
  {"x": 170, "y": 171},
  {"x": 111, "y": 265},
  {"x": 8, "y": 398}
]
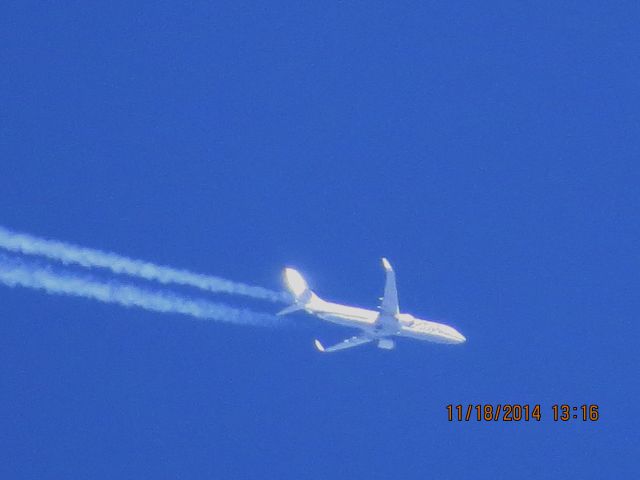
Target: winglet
[
  {"x": 386, "y": 265},
  {"x": 318, "y": 345}
]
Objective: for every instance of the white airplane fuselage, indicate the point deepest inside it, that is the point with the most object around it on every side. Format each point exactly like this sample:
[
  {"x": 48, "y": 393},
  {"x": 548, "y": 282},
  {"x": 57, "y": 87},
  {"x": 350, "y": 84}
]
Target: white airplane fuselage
[{"x": 376, "y": 325}]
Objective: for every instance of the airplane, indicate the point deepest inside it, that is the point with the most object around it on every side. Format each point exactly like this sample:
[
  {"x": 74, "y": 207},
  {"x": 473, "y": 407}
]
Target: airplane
[{"x": 375, "y": 326}]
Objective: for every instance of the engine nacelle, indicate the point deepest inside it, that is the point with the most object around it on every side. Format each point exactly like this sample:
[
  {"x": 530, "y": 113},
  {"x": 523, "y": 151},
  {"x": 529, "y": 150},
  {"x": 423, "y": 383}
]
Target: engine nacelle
[{"x": 406, "y": 319}]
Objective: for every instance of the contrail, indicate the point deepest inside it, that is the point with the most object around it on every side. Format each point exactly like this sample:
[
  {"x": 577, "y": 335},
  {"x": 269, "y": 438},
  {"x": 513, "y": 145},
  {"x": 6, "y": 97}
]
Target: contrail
[
  {"x": 92, "y": 258},
  {"x": 14, "y": 272}
]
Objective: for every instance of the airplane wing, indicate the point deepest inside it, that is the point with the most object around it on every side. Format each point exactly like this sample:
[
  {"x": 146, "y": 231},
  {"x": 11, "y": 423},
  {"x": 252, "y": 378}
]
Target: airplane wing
[
  {"x": 348, "y": 343},
  {"x": 390, "y": 299}
]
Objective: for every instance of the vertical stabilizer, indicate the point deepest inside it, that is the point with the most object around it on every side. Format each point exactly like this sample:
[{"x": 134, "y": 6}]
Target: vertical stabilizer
[{"x": 297, "y": 286}]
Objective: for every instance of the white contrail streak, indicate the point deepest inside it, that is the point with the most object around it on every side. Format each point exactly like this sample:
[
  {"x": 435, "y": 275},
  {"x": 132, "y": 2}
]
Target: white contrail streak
[
  {"x": 14, "y": 272},
  {"x": 87, "y": 257}
]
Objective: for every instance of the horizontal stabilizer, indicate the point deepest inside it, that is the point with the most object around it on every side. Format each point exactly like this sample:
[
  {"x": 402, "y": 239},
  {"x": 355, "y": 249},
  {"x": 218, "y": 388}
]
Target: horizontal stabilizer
[{"x": 290, "y": 309}]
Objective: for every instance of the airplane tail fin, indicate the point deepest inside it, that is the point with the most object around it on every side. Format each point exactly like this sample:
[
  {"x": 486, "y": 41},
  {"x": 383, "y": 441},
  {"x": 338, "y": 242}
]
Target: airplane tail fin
[{"x": 297, "y": 286}]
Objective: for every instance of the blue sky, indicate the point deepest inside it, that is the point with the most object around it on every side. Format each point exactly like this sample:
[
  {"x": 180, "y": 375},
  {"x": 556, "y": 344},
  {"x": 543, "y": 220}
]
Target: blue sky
[{"x": 490, "y": 151}]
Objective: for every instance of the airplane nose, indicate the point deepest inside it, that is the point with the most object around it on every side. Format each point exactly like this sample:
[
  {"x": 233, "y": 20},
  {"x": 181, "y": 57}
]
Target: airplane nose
[{"x": 459, "y": 337}]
